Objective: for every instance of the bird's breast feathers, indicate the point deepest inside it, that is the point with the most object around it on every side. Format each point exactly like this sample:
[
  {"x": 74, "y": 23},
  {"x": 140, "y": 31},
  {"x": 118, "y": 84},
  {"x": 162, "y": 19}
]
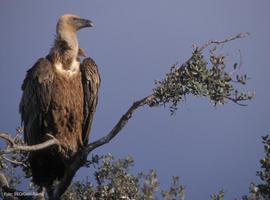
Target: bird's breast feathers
[{"x": 69, "y": 71}]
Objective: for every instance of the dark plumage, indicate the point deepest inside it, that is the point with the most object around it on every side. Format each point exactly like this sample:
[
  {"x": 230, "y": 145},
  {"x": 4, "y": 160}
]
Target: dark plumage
[{"x": 59, "y": 98}]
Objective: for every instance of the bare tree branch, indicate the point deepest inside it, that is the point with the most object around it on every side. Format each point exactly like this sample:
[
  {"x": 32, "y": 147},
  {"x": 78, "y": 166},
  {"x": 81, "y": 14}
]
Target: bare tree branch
[
  {"x": 14, "y": 162},
  {"x": 219, "y": 42},
  {"x": 13, "y": 147},
  {"x": 121, "y": 123},
  {"x": 7, "y": 137},
  {"x": 236, "y": 101}
]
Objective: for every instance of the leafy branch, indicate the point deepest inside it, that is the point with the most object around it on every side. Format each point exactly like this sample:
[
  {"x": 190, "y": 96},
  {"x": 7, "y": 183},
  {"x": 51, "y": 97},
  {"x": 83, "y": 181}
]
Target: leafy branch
[{"x": 201, "y": 78}]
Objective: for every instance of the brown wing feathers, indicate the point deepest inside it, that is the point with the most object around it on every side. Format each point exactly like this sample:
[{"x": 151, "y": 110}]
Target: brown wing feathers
[
  {"x": 91, "y": 83},
  {"x": 36, "y": 98}
]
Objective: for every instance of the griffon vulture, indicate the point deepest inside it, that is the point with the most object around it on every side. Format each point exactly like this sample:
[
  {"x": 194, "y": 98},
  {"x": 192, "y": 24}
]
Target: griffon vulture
[{"x": 59, "y": 98}]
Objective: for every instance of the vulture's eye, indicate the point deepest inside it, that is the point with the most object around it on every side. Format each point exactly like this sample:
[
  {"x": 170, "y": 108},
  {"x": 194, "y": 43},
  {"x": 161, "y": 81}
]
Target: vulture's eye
[{"x": 76, "y": 20}]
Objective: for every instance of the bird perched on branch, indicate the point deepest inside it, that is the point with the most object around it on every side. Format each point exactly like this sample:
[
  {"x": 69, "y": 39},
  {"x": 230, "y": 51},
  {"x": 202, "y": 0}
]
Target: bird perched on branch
[{"x": 59, "y": 98}]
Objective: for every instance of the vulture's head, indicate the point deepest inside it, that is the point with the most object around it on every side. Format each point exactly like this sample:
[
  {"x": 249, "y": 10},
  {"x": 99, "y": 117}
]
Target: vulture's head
[{"x": 71, "y": 23}]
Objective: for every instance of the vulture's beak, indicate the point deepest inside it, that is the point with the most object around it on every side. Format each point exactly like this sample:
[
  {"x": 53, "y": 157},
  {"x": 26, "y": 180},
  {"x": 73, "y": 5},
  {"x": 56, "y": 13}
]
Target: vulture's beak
[{"x": 83, "y": 23}]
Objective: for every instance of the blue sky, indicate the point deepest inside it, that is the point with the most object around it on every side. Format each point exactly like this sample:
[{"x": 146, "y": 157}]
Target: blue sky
[{"x": 134, "y": 43}]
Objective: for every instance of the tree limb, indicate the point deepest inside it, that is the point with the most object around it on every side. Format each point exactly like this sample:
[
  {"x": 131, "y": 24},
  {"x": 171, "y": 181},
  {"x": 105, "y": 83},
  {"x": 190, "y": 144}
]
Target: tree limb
[
  {"x": 7, "y": 137},
  {"x": 14, "y": 162},
  {"x": 13, "y": 147},
  {"x": 120, "y": 124},
  {"x": 219, "y": 42}
]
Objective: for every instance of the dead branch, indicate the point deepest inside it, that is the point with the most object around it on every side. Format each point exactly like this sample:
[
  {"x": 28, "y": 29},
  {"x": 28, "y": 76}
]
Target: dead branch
[
  {"x": 7, "y": 137},
  {"x": 14, "y": 148},
  {"x": 219, "y": 42},
  {"x": 14, "y": 162},
  {"x": 236, "y": 101}
]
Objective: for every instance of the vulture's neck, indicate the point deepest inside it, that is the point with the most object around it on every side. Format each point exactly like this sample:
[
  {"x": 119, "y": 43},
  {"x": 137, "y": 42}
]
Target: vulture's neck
[{"x": 65, "y": 53}]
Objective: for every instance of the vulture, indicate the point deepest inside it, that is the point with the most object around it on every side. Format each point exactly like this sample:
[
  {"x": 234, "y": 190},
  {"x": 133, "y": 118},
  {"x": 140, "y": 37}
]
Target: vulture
[{"x": 60, "y": 95}]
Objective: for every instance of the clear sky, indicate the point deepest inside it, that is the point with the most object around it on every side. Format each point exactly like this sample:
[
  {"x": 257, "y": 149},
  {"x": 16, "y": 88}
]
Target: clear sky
[{"x": 134, "y": 43}]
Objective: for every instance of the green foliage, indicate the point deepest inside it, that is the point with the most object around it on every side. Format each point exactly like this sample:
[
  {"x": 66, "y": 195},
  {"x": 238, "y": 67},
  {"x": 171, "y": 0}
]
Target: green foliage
[
  {"x": 114, "y": 182},
  {"x": 197, "y": 78},
  {"x": 150, "y": 185},
  {"x": 262, "y": 191},
  {"x": 176, "y": 191},
  {"x": 80, "y": 190},
  {"x": 219, "y": 196},
  {"x": 264, "y": 174}
]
